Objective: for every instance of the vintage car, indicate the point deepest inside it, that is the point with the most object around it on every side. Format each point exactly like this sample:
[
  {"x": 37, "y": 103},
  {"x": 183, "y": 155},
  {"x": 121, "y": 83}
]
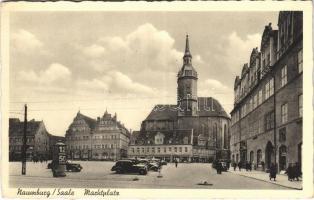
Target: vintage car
[
  {"x": 70, "y": 166},
  {"x": 129, "y": 166}
]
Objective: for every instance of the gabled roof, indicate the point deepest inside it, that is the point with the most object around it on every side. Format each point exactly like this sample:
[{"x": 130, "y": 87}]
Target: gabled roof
[
  {"x": 90, "y": 122},
  {"x": 245, "y": 68},
  {"x": 236, "y": 82},
  {"x": 254, "y": 55},
  {"x": 163, "y": 112},
  {"x": 268, "y": 32},
  {"x": 16, "y": 127}
]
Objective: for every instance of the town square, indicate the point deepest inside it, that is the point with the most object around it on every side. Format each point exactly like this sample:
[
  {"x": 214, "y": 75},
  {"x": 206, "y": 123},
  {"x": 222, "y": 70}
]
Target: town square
[{"x": 155, "y": 100}]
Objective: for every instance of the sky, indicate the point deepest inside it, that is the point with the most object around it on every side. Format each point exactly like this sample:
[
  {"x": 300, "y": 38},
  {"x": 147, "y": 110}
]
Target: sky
[{"x": 125, "y": 62}]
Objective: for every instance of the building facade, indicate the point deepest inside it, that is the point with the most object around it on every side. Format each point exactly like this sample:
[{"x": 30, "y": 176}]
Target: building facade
[
  {"x": 37, "y": 140},
  {"x": 196, "y": 129},
  {"x": 104, "y": 138},
  {"x": 266, "y": 121}
]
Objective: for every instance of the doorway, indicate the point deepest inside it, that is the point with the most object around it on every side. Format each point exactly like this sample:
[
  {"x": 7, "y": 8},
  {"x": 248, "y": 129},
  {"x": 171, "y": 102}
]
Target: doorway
[{"x": 268, "y": 154}]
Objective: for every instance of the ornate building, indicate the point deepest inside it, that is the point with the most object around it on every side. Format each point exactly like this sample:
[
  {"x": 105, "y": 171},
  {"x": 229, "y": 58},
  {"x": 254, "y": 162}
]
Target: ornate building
[
  {"x": 103, "y": 139},
  {"x": 196, "y": 129},
  {"x": 266, "y": 121}
]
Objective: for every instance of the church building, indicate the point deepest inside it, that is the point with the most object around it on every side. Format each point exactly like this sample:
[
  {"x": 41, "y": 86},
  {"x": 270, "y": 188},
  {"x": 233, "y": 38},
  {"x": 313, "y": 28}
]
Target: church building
[{"x": 196, "y": 129}]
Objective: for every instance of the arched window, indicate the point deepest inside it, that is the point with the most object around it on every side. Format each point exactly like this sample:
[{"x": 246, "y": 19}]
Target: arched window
[
  {"x": 225, "y": 137},
  {"x": 215, "y": 135}
]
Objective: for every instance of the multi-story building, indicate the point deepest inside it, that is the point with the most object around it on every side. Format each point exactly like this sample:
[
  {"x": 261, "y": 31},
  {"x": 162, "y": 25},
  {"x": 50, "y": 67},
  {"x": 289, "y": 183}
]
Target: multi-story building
[
  {"x": 266, "y": 121},
  {"x": 37, "y": 139},
  {"x": 195, "y": 129},
  {"x": 104, "y": 138}
]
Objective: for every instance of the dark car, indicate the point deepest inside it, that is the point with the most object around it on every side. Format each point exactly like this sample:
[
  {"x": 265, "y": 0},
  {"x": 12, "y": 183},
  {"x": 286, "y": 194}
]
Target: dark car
[
  {"x": 151, "y": 165},
  {"x": 73, "y": 167},
  {"x": 129, "y": 166}
]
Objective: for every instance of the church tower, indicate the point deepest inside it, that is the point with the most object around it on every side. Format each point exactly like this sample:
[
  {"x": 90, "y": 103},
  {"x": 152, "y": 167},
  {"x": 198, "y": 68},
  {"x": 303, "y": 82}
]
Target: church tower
[{"x": 187, "y": 85}]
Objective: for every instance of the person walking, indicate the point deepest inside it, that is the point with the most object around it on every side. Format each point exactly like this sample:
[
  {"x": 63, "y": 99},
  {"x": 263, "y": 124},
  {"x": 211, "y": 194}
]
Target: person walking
[
  {"x": 247, "y": 167},
  {"x": 289, "y": 172},
  {"x": 234, "y": 166},
  {"x": 240, "y": 165},
  {"x": 263, "y": 165},
  {"x": 297, "y": 170},
  {"x": 176, "y": 162},
  {"x": 219, "y": 167},
  {"x": 272, "y": 172}
]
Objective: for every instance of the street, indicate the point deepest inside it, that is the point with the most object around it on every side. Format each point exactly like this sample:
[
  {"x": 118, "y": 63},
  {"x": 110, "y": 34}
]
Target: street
[{"x": 97, "y": 174}]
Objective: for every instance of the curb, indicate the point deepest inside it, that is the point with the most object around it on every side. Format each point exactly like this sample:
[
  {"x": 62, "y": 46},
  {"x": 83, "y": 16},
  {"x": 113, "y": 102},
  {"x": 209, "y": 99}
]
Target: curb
[{"x": 267, "y": 181}]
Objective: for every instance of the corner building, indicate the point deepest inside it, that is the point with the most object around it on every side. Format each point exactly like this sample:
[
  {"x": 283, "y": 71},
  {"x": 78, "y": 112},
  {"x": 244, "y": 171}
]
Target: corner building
[
  {"x": 196, "y": 129},
  {"x": 266, "y": 121},
  {"x": 103, "y": 139}
]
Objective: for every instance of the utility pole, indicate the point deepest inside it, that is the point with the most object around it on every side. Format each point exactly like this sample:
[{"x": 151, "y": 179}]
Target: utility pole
[{"x": 24, "y": 148}]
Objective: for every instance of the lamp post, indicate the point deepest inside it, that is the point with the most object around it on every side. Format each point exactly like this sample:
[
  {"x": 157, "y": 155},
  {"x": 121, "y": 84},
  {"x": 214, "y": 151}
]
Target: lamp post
[{"x": 23, "y": 154}]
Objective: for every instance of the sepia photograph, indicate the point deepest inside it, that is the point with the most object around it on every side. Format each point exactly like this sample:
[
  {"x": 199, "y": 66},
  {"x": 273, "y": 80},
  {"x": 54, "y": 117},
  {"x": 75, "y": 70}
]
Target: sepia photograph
[{"x": 106, "y": 100}]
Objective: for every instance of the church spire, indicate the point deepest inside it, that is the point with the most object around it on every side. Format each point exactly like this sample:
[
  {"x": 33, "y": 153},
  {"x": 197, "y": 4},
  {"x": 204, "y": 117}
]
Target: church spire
[
  {"x": 187, "y": 54},
  {"x": 187, "y": 46}
]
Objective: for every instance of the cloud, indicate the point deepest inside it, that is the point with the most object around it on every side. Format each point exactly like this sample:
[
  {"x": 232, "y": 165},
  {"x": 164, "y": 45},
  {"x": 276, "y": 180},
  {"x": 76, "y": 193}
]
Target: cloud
[
  {"x": 25, "y": 41},
  {"x": 235, "y": 51},
  {"x": 144, "y": 48},
  {"x": 55, "y": 72},
  {"x": 94, "y": 51},
  {"x": 218, "y": 90},
  {"x": 212, "y": 86},
  {"x": 115, "y": 82}
]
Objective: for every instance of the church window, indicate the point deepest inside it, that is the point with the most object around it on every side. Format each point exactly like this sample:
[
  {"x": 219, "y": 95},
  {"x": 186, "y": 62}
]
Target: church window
[
  {"x": 175, "y": 149},
  {"x": 180, "y": 149},
  {"x": 170, "y": 149},
  {"x": 186, "y": 149}
]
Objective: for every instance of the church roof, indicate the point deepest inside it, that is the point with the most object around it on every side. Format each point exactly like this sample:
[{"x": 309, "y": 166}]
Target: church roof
[
  {"x": 163, "y": 112},
  {"x": 210, "y": 107}
]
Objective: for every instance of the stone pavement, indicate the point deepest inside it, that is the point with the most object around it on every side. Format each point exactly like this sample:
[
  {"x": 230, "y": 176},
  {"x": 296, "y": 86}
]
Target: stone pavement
[{"x": 281, "y": 179}]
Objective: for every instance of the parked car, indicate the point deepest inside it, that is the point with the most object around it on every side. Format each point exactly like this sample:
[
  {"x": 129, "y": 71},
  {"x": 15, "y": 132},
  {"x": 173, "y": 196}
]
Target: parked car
[
  {"x": 163, "y": 162},
  {"x": 129, "y": 166},
  {"x": 73, "y": 167}
]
